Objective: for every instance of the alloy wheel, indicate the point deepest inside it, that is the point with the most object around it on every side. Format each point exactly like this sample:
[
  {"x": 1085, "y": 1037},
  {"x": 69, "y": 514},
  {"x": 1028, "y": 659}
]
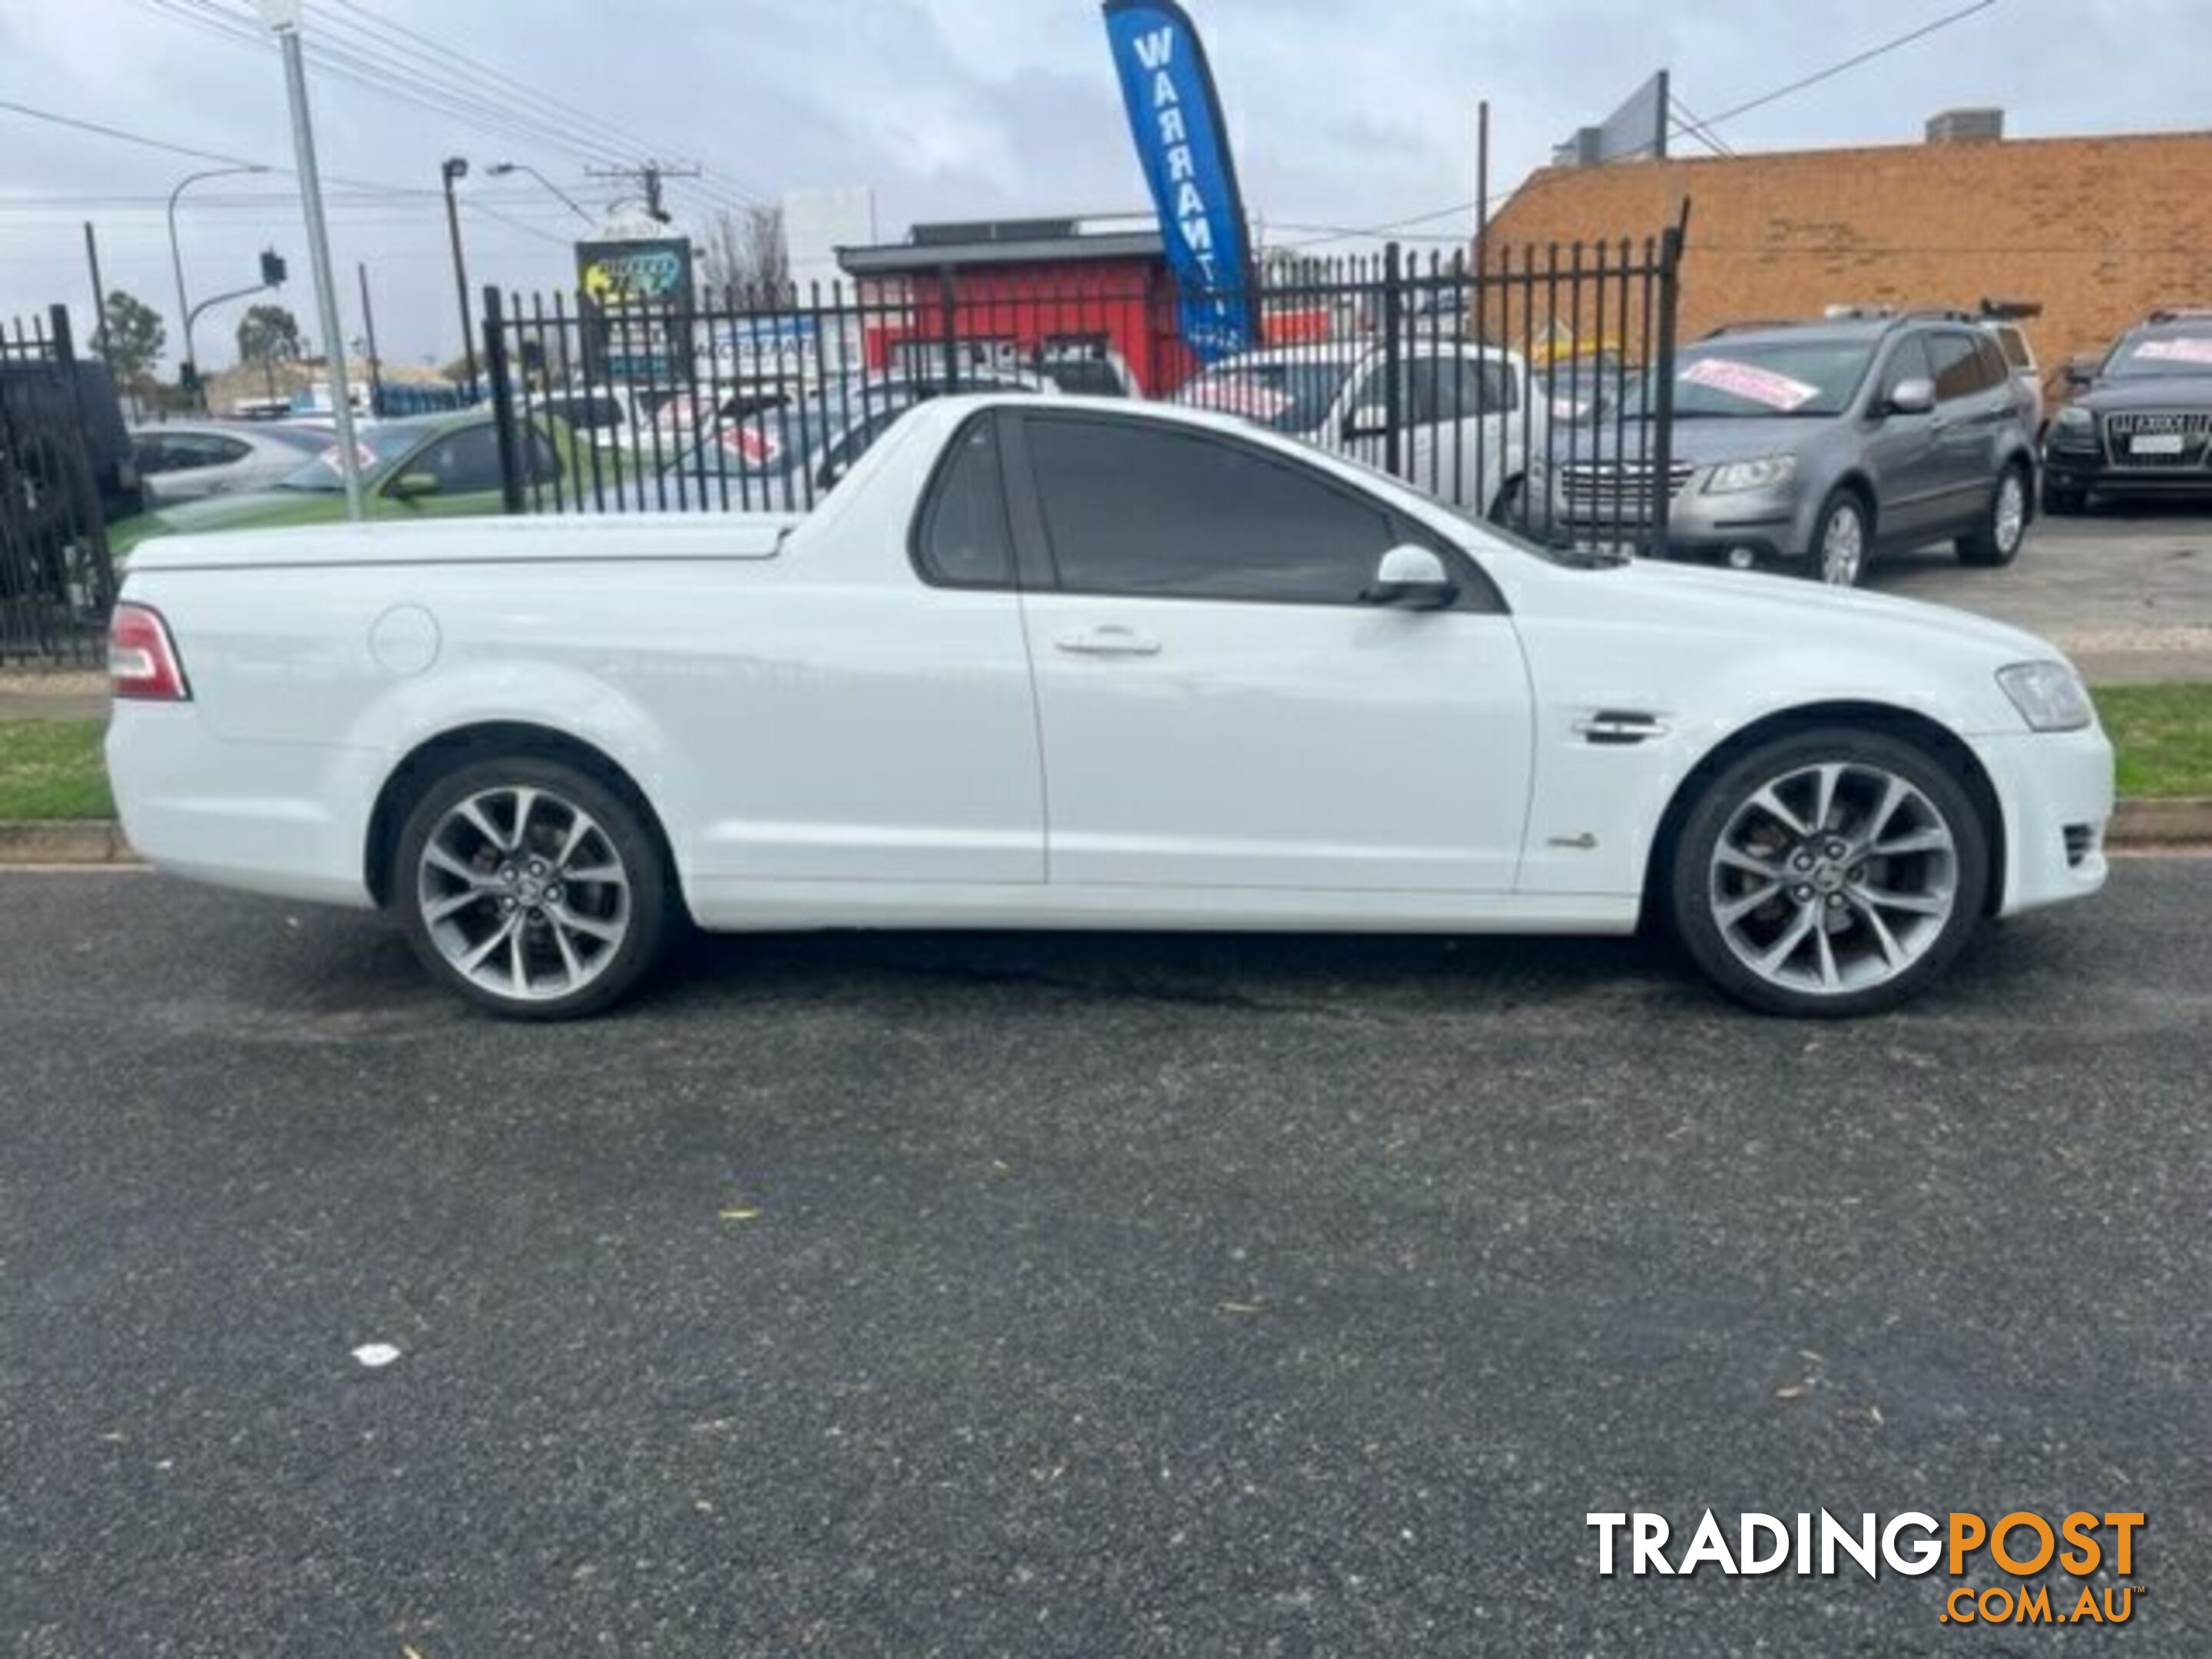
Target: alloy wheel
[
  {"x": 1833, "y": 877},
  {"x": 523, "y": 893},
  {"x": 1843, "y": 546},
  {"x": 2009, "y": 521}
]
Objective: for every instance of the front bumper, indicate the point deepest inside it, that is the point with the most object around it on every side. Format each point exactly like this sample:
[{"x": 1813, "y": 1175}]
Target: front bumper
[
  {"x": 2081, "y": 468},
  {"x": 1774, "y": 525},
  {"x": 2054, "y": 792}
]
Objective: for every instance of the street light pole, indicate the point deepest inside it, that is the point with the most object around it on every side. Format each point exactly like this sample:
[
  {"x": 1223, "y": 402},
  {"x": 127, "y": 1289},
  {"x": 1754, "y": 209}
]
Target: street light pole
[
  {"x": 456, "y": 166},
  {"x": 500, "y": 169},
  {"x": 282, "y": 16},
  {"x": 187, "y": 368}
]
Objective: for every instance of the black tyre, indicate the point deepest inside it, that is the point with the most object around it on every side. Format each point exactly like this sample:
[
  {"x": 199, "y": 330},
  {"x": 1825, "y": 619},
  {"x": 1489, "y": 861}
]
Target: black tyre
[
  {"x": 1996, "y": 540},
  {"x": 1832, "y": 872},
  {"x": 531, "y": 888},
  {"x": 1843, "y": 541},
  {"x": 1511, "y": 507}
]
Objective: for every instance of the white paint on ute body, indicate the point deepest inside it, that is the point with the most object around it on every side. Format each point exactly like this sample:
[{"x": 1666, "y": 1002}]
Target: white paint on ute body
[{"x": 828, "y": 741}]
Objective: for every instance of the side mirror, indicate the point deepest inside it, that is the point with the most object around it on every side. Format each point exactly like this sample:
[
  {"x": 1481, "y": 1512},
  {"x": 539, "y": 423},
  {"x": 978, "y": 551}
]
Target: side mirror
[
  {"x": 1368, "y": 420},
  {"x": 2082, "y": 371},
  {"x": 1412, "y": 579},
  {"x": 1916, "y": 396},
  {"x": 409, "y": 485}
]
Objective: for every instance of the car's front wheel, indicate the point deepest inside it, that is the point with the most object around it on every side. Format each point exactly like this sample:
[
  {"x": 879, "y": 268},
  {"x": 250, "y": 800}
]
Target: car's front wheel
[
  {"x": 1996, "y": 539},
  {"x": 1830, "y": 873},
  {"x": 531, "y": 888},
  {"x": 1840, "y": 541}
]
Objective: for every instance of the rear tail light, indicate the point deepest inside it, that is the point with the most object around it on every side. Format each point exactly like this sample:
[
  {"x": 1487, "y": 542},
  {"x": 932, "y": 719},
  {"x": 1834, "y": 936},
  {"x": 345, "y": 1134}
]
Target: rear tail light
[{"x": 141, "y": 659}]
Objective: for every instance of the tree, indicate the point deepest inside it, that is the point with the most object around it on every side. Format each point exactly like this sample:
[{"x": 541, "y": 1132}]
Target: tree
[
  {"x": 747, "y": 251},
  {"x": 269, "y": 335},
  {"x": 129, "y": 337}
]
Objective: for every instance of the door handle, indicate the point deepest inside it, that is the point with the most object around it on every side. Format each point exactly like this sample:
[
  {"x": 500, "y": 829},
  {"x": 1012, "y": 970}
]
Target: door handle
[{"x": 1110, "y": 641}]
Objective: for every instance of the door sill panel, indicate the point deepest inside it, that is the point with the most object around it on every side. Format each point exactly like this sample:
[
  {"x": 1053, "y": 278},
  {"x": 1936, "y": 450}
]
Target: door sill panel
[{"x": 775, "y": 906}]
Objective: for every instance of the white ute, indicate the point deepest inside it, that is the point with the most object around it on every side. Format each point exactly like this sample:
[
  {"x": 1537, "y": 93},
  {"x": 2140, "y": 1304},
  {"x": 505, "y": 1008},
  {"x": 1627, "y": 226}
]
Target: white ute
[{"x": 1087, "y": 664}]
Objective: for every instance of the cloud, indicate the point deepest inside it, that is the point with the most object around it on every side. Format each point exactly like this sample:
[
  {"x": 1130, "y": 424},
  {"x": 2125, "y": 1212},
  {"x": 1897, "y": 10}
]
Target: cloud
[{"x": 1341, "y": 113}]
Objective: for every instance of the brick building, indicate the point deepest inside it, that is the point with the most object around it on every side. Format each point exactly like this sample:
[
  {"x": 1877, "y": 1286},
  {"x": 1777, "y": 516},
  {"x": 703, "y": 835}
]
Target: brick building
[{"x": 2099, "y": 230}]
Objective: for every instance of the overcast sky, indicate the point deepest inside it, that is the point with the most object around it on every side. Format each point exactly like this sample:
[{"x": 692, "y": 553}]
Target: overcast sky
[{"x": 1344, "y": 113}]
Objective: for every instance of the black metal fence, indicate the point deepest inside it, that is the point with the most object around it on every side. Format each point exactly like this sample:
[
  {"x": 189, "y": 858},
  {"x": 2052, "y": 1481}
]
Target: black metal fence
[
  {"x": 1526, "y": 384},
  {"x": 57, "y": 584}
]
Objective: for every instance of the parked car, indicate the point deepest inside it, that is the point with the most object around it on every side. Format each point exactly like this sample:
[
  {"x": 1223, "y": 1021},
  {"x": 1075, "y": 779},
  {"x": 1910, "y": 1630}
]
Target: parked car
[
  {"x": 787, "y": 458},
  {"x": 1086, "y": 369},
  {"x": 611, "y": 418},
  {"x": 430, "y": 466},
  {"x": 2141, "y": 422},
  {"x": 1087, "y": 663},
  {"x": 1459, "y": 406},
  {"x": 190, "y": 460},
  {"x": 1818, "y": 446}
]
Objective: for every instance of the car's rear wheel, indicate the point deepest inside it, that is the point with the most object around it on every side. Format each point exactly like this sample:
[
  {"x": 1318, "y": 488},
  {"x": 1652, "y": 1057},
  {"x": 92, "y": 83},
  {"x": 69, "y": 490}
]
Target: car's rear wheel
[
  {"x": 1510, "y": 507},
  {"x": 531, "y": 888},
  {"x": 1996, "y": 539},
  {"x": 1840, "y": 541},
  {"x": 1828, "y": 874}
]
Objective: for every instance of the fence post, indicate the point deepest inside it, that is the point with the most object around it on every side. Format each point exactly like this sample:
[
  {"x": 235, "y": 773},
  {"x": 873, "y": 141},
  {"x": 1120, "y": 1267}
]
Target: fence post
[
  {"x": 86, "y": 481},
  {"x": 1393, "y": 446},
  {"x": 947, "y": 321},
  {"x": 501, "y": 375},
  {"x": 1662, "y": 439}
]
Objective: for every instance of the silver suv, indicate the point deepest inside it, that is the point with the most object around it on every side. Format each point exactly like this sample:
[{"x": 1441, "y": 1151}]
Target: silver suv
[{"x": 1818, "y": 445}]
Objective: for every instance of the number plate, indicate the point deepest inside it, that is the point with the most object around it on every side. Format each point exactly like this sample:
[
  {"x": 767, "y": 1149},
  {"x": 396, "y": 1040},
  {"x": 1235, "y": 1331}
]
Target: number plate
[{"x": 2155, "y": 443}]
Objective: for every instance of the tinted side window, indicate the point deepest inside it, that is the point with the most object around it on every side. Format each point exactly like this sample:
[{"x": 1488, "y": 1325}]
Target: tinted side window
[
  {"x": 1957, "y": 366},
  {"x": 1172, "y": 515},
  {"x": 962, "y": 541},
  {"x": 1995, "y": 370},
  {"x": 2015, "y": 348},
  {"x": 463, "y": 464}
]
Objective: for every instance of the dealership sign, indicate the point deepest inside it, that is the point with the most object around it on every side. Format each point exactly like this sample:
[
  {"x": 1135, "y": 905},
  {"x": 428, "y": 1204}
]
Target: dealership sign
[
  {"x": 1175, "y": 119},
  {"x": 633, "y": 289}
]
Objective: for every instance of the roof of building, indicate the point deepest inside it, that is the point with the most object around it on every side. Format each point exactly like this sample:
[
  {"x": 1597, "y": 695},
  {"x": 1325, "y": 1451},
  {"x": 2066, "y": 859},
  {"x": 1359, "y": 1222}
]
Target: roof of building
[{"x": 999, "y": 242}]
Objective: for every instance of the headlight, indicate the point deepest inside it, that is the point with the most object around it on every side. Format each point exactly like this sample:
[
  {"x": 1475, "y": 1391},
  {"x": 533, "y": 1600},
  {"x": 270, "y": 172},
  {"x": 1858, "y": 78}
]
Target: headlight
[
  {"x": 2074, "y": 418},
  {"x": 2048, "y": 695},
  {"x": 1735, "y": 477}
]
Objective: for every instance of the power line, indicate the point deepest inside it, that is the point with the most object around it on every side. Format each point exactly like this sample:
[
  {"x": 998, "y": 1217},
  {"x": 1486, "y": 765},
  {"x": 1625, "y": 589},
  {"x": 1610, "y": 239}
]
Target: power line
[
  {"x": 1698, "y": 128},
  {"x": 1853, "y": 62},
  {"x": 106, "y": 131}
]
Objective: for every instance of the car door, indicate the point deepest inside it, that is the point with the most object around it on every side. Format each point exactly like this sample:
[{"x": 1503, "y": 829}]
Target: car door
[
  {"x": 1973, "y": 404},
  {"x": 1902, "y": 450},
  {"x": 462, "y": 465},
  {"x": 1218, "y": 708}
]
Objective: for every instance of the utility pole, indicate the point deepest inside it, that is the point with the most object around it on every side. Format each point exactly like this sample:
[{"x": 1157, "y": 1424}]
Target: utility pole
[
  {"x": 648, "y": 177},
  {"x": 369, "y": 334},
  {"x": 282, "y": 16},
  {"x": 100, "y": 341},
  {"x": 457, "y": 167},
  {"x": 1482, "y": 187}
]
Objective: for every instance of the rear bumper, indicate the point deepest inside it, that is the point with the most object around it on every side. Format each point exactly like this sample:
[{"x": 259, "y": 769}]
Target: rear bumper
[
  {"x": 2055, "y": 792},
  {"x": 269, "y": 817}
]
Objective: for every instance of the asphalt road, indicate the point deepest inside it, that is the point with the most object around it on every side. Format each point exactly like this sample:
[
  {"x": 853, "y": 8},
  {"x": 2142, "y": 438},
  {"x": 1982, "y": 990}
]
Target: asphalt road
[{"x": 967, "y": 1295}]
